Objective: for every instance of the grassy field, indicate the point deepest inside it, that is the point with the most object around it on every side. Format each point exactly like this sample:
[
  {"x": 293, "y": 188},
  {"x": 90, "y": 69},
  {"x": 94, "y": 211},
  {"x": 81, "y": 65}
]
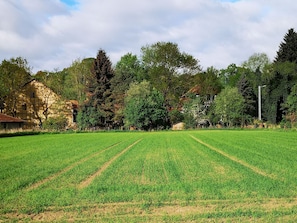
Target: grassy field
[{"x": 189, "y": 176}]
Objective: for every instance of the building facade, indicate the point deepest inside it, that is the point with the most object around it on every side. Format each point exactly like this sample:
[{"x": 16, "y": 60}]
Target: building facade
[{"x": 34, "y": 103}]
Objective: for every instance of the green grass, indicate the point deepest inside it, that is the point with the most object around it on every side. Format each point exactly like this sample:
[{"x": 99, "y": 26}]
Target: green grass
[{"x": 159, "y": 176}]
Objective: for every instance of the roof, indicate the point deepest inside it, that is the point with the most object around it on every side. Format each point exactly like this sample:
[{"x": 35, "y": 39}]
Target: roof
[{"x": 6, "y": 118}]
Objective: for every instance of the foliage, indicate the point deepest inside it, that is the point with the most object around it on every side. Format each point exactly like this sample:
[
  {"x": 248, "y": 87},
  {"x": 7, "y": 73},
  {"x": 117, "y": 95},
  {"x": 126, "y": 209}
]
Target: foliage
[
  {"x": 164, "y": 63},
  {"x": 74, "y": 77},
  {"x": 77, "y": 78},
  {"x": 127, "y": 70},
  {"x": 195, "y": 110},
  {"x": 288, "y": 48},
  {"x": 14, "y": 74},
  {"x": 229, "y": 106},
  {"x": 101, "y": 91},
  {"x": 291, "y": 106},
  {"x": 230, "y": 76},
  {"x": 88, "y": 117},
  {"x": 279, "y": 83},
  {"x": 175, "y": 116},
  {"x": 281, "y": 78},
  {"x": 55, "y": 123},
  {"x": 257, "y": 61},
  {"x": 250, "y": 102},
  {"x": 291, "y": 102},
  {"x": 144, "y": 107},
  {"x": 99, "y": 105},
  {"x": 208, "y": 82}
]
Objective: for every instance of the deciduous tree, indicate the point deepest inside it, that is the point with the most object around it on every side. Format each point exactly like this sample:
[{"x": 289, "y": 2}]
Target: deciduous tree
[
  {"x": 127, "y": 70},
  {"x": 164, "y": 63},
  {"x": 144, "y": 107},
  {"x": 14, "y": 73},
  {"x": 229, "y": 106}
]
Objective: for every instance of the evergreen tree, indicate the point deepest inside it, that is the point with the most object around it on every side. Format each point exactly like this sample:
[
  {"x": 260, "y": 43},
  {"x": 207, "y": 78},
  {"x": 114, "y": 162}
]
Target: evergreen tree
[
  {"x": 288, "y": 48},
  {"x": 99, "y": 104},
  {"x": 246, "y": 90},
  {"x": 281, "y": 78}
]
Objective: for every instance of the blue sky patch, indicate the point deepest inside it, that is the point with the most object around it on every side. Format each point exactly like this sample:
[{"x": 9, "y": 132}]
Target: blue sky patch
[
  {"x": 230, "y": 0},
  {"x": 69, "y": 2}
]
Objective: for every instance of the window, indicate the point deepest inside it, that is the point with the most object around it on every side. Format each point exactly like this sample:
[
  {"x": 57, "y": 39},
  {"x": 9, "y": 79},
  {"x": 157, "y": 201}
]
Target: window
[
  {"x": 24, "y": 106},
  {"x": 74, "y": 115}
]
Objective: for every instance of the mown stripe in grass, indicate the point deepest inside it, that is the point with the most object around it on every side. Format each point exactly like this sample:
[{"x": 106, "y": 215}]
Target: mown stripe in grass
[
  {"x": 89, "y": 180},
  {"x": 241, "y": 162},
  {"x": 39, "y": 183}
]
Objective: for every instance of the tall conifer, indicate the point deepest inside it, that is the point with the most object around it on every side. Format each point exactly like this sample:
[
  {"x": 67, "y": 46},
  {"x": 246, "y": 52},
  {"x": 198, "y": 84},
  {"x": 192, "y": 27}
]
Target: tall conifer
[
  {"x": 98, "y": 110},
  {"x": 288, "y": 48}
]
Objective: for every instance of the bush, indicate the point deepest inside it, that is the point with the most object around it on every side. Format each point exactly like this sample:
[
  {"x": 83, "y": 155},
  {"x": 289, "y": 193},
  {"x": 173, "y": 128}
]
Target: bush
[
  {"x": 55, "y": 124},
  {"x": 285, "y": 124}
]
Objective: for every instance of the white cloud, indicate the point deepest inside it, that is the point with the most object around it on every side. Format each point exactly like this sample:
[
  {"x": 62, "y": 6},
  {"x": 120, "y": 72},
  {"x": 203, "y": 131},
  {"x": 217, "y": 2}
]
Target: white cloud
[{"x": 51, "y": 34}]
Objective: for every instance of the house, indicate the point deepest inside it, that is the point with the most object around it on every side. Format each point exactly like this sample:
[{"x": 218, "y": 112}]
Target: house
[
  {"x": 10, "y": 123},
  {"x": 35, "y": 103},
  {"x": 197, "y": 101}
]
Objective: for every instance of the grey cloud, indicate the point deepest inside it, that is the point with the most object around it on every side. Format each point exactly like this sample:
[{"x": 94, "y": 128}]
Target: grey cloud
[{"x": 218, "y": 33}]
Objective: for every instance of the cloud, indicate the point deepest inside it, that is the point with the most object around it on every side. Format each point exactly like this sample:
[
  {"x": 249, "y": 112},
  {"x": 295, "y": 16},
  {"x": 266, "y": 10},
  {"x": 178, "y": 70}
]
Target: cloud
[{"x": 51, "y": 34}]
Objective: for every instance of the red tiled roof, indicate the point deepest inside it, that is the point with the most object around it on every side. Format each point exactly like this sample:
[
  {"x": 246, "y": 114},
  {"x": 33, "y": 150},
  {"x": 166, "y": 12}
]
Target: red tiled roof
[{"x": 7, "y": 118}]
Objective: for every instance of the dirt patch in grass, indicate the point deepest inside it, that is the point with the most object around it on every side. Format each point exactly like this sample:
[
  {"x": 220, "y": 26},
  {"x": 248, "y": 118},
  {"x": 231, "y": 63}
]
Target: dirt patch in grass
[{"x": 203, "y": 210}]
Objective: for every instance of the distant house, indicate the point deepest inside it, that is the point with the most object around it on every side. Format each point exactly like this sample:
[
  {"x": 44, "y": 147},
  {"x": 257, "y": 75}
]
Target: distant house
[
  {"x": 35, "y": 103},
  {"x": 10, "y": 123},
  {"x": 201, "y": 100}
]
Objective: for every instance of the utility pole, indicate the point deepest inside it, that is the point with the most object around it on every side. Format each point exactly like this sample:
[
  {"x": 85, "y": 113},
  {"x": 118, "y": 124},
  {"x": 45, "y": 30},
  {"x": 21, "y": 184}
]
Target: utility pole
[{"x": 259, "y": 101}]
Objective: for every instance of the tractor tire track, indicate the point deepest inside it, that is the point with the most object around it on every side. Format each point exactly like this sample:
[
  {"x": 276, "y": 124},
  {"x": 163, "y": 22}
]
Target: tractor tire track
[
  {"x": 241, "y": 162},
  {"x": 89, "y": 180},
  {"x": 52, "y": 177}
]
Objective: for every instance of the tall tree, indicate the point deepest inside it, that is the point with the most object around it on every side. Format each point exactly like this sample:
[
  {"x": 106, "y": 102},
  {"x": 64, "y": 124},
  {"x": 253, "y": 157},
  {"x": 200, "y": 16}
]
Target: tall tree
[
  {"x": 288, "y": 48},
  {"x": 291, "y": 105},
  {"x": 14, "y": 73},
  {"x": 164, "y": 63},
  {"x": 76, "y": 79},
  {"x": 250, "y": 103},
  {"x": 279, "y": 83},
  {"x": 229, "y": 106},
  {"x": 257, "y": 61},
  {"x": 127, "y": 70},
  {"x": 230, "y": 76},
  {"x": 281, "y": 78},
  {"x": 99, "y": 105}
]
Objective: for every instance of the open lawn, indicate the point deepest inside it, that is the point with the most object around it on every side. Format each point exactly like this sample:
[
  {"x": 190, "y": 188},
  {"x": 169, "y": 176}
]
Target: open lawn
[{"x": 188, "y": 176}]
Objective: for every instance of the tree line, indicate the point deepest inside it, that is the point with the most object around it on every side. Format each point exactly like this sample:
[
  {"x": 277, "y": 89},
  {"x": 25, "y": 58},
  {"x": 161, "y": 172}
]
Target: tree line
[{"x": 165, "y": 86}]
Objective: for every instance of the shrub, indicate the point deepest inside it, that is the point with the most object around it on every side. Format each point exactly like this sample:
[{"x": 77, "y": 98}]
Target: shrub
[{"x": 55, "y": 123}]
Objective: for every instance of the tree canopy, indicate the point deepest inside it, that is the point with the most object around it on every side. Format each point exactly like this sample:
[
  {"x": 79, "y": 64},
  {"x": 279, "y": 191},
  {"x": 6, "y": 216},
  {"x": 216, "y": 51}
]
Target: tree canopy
[
  {"x": 288, "y": 48},
  {"x": 144, "y": 107},
  {"x": 229, "y": 105},
  {"x": 164, "y": 86},
  {"x": 164, "y": 62},
  {"x": 99, "y": 106}
]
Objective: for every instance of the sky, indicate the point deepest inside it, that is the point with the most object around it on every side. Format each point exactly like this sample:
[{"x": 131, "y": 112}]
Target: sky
[{"x": 51, "y": 34}]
